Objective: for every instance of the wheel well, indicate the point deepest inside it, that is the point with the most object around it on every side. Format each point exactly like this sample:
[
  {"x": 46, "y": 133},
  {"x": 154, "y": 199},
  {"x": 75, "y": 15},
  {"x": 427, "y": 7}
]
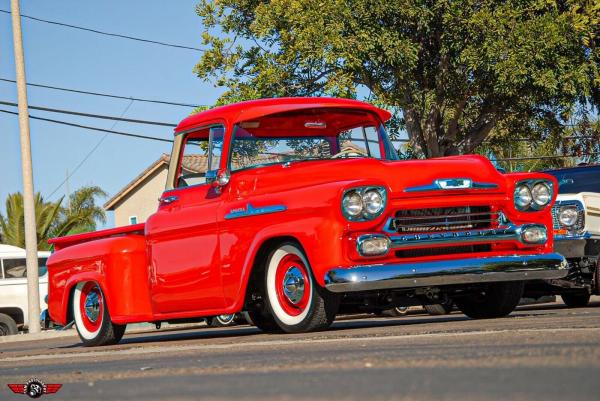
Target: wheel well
[
  {"x": 255, "y": 283},
  {"x": 69, "y": 315},
  {"x": 15, "y": 313}
]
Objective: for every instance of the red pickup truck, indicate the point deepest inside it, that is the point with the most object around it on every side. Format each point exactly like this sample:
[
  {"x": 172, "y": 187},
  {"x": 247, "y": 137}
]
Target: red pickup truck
[{"x": 293, "y": 209}]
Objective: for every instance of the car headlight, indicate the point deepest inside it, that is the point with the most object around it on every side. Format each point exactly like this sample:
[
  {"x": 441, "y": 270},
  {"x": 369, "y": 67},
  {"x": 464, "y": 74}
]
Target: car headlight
[
  {"x": 541, "y": 193},
  {"x": 364, "y": 203},
  {"x": 533, "y": 195},
  {"x": 373, "y": 201},
  {"x": 567, "y": 216},
  {"x": 353, "y": 204},
  {"x": 523, "y": 197}
]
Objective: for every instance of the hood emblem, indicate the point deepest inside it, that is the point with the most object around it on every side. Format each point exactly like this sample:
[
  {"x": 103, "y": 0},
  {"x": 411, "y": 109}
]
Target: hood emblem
[{"x": 452, "y": 183}]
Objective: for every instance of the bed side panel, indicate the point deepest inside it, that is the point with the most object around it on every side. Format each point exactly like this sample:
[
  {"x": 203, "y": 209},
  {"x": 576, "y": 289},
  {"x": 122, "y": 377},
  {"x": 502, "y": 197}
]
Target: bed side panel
[{"x": 118, "y": 264}]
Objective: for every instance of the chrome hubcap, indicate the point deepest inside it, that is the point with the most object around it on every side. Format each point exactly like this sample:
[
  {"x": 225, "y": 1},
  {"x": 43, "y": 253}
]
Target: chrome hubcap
[
  {"x": 92, "y": 306},
  {"x": 293, "y": 285}
]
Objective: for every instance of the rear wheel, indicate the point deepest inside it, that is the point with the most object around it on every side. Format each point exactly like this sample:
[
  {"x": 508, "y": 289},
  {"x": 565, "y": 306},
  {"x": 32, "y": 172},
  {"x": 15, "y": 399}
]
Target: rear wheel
[
  {"x": 293, "y": 299},
  {"x": 498, "y": 300},
  {"x": 92, "y": 317},
  {"x": 576, "y": 299},
  {"x": 8, "y": 326}
]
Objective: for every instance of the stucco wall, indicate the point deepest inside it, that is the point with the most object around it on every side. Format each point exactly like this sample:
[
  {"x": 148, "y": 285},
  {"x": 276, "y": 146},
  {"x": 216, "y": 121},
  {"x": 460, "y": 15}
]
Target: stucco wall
[{"x": 143, "y": 201}]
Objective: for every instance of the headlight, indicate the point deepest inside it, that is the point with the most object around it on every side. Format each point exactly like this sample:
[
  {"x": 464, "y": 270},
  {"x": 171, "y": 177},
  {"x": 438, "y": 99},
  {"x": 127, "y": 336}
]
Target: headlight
[
  {"x": 533, "y": 195},
  {"x": 373, "y": 201},
  {"x": 353, "y": 204},
  {"x": 567, "y": 216},
  {"x": 364, "y": 203},
  {"x": 523, "y": 197},
  {"x": 541, "y": 193}
]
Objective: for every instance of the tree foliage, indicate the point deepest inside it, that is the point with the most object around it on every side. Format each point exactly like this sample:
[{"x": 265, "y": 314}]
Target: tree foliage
[
  {"x": 52, "y": 218},
  {"x": 455, "y": 71}
]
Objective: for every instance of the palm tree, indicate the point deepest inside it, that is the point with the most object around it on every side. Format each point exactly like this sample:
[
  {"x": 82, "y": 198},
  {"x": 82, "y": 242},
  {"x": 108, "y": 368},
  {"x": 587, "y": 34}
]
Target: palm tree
[{"x": 52, "y": 219}]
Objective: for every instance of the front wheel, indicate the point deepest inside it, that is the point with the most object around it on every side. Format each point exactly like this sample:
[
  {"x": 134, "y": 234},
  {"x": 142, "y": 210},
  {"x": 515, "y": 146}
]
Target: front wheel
[
  {"x": 576, "y": 300},
  {"x": 8, "y": 326},
  {"x": 92, "y": 318},
  {"x": 498, "y": 300},
  {"x": 294, "y": 301}
]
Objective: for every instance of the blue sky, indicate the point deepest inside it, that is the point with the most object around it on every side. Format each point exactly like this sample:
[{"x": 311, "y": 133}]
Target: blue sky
[{"x": 75, "y": 59}]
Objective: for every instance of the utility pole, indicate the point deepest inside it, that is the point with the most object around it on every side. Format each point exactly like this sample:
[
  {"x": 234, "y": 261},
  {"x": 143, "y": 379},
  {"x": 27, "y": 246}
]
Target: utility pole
[{"x": 33, "y": 288}]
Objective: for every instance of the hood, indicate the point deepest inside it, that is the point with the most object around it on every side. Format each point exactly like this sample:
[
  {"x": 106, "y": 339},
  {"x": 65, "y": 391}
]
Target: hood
[{"x": 404, "y": 178}]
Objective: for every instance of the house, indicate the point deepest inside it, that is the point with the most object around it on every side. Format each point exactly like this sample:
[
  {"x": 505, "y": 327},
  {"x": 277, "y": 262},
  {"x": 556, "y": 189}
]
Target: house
[{"x": 139, "y": 199}]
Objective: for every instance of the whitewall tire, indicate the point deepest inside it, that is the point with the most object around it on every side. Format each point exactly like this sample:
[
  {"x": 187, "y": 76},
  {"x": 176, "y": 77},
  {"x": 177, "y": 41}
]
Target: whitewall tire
[{"x": 92, "y": 318}]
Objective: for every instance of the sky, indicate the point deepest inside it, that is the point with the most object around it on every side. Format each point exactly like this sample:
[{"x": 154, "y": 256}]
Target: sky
[{"x": 64, "y": 57}]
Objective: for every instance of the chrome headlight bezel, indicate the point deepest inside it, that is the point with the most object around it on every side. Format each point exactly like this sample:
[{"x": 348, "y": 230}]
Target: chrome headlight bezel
[
  {"x": 535, "y": 203},
  {"x": 365, "y": 214},
  {"x": 579, "y": 226}
]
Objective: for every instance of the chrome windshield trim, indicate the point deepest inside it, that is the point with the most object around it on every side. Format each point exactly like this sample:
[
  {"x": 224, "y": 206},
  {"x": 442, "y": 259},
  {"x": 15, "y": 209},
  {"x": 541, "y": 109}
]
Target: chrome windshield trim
[
  {"x": 446, "y": 184},
  {"x": 446, "y": 272},
  {"x": 252, "y": 211}
]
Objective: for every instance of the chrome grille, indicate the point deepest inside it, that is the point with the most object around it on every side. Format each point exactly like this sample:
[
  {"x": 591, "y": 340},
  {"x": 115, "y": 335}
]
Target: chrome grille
[{"x": 444, "y": 219}]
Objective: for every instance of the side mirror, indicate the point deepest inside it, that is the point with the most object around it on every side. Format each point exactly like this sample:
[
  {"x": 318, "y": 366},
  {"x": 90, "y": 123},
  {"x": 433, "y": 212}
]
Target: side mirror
[{"x": 217, "y": 178}]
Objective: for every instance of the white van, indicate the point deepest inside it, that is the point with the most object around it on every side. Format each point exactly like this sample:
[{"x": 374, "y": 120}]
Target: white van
[{"x": 13, "y": 288}]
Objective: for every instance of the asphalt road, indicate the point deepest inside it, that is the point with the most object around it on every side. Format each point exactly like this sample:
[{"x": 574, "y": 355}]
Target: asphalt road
[{"x": 538, "y": 353}]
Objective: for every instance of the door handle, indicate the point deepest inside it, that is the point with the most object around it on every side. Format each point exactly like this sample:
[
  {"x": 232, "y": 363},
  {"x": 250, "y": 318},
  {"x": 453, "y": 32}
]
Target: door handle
[{"x": 167, "y": 200}]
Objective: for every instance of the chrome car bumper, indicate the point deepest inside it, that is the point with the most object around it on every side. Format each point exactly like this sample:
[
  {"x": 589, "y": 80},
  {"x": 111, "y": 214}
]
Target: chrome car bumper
[{"x": 446, "y": 272}]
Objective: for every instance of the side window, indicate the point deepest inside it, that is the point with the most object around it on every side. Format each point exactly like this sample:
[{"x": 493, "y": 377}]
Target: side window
[
  {"x": 373, "y": 141},
  {"x": 362, "y": 140},
  {"x": 201, "y": 152},
  {"x": 17, "y": 268}
]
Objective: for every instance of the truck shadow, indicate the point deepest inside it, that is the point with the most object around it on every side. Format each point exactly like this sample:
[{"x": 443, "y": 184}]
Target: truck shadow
[{"x": 343, "y": 323}]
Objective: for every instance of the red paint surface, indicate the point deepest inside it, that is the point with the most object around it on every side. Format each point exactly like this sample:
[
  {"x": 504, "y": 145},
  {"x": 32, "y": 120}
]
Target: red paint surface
[{"x": 189, "y": 261}]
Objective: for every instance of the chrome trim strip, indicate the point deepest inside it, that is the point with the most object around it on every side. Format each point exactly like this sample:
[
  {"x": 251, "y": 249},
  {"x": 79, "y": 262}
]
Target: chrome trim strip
[
  {"x": 452, "y": 183},
  {"x": 502, "y": 233},
  {"x": 252, "y": 211},
  {"x": 569, "y": 237},
  {"x": 446, "y": 272}
]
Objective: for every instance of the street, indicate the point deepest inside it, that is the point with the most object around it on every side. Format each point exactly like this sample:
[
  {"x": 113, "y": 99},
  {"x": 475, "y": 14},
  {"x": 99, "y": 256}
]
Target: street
[{"x": 543, "y": 352}]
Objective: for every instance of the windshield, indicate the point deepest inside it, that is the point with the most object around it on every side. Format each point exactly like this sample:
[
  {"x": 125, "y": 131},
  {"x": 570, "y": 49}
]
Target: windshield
[
  {"x": 573, "y": 181},
  {"x": 309, "y": 135}
]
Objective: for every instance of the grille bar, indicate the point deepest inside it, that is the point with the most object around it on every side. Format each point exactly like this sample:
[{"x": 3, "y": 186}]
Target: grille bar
[{"x": 444, "y": 219}]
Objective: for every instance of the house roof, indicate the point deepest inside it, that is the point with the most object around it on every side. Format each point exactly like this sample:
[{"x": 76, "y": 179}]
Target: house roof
[
  {"x": 244, "y": 111},
  {"x": 193, "y": 163}
]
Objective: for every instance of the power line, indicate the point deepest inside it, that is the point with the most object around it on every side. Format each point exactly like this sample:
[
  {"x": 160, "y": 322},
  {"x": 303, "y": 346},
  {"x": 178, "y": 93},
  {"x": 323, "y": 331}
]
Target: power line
[
  {"x": 104, "y": 117},
  {"x": 105, "y": 94},
  {"x": 107, "y": 33},
  {"x": 92, "y": 128},
  {"x": 70, "y": 174}
]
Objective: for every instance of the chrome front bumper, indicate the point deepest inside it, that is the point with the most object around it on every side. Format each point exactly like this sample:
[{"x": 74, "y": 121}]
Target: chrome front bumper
[{"x": 447, "y": 272}]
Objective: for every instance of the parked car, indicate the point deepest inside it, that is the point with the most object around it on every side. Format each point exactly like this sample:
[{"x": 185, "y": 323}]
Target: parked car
[
  {"x": 14, "y": 312},
  {"x": 576, "y": 223},
  {"x": 305, "y": 208}
]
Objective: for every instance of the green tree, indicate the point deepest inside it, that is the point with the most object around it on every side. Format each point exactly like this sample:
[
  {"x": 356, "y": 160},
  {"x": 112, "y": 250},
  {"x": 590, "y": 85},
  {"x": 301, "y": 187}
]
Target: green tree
[
  {"x": 52, "y": 219},
  {"x": 453, "y": 71}
]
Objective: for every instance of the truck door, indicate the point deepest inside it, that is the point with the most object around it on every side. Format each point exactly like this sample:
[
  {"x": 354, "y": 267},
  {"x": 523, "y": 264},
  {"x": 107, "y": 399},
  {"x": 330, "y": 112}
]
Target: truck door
[{"x": 182, "y": 234}]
